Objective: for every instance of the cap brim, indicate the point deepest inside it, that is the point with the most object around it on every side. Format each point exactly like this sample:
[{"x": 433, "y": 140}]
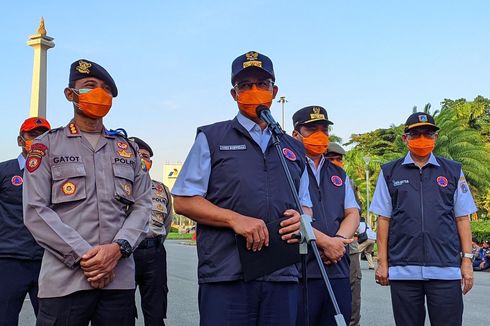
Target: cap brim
[
  {"x": 419, "y": 124},
  {"x": 328, "y": 122},
  {"x": 251, "y": 68}
]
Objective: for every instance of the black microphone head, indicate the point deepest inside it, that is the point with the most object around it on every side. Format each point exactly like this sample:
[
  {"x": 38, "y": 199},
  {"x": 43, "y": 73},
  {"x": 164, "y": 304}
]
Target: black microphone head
[{"x": 261, "y": 108}]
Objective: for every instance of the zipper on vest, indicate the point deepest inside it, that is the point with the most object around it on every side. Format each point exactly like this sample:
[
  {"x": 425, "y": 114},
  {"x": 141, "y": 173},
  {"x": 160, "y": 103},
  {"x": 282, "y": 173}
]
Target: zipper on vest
[
  {"x": 422, "y": 212},
  {"x": 268, "y": 185}
]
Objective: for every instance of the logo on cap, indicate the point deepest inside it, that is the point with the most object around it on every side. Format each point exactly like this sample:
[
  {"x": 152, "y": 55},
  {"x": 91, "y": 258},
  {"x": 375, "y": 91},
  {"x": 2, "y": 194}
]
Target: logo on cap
[
  {"x": 316, "y": 115},
  {"x": 442, "y": 181},
  {"x": 83, "y": 67},
  {"x": 252, "y": 60},
  {"x": 422, "y": 118}
]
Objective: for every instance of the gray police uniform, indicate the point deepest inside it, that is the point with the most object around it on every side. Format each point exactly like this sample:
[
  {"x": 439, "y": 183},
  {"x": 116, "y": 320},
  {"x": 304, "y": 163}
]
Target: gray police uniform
[
  {"x": 151, "y": 258},
  {"x": 76, "y": 197}
]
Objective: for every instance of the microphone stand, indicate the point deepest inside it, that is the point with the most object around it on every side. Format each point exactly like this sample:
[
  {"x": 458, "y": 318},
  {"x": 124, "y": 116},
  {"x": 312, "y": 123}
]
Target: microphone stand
[{"x": 306, "y": 230}]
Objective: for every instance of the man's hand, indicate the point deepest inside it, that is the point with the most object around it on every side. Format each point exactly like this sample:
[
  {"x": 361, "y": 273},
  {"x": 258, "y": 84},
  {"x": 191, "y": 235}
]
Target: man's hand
[
  {"x": 253, "y": 230},
  {"x": 381, "y": 275},
  {"x": 103, "y": 282},
  {"x": 100, "y": 261},
  {"x": 333, "y": 248},
  {"x": 466, "y": 275},
  {"x": 290, "y": 226}
]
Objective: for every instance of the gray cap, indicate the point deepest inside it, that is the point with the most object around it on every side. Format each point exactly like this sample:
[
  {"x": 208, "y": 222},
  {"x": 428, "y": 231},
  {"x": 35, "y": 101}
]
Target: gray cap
[{"x": 334, "y": 148}]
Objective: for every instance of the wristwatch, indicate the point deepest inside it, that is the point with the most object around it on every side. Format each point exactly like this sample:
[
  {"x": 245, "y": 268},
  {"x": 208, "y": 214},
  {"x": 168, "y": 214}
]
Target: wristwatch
[
  {"x": 468, "y": 255},
  {"x": 125, "y": 247}
]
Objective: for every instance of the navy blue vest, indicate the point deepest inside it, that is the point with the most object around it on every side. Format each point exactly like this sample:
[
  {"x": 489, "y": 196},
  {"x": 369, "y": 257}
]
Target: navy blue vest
[
  {"x": 248, "y": 182},
  {"x": 328, "y": 213},
  {"x": 423, "y": 226},
  {"x": 15, "y": 240}
]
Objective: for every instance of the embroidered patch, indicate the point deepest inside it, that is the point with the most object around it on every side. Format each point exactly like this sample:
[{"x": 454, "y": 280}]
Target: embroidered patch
[
  {"x": 289, "y": 154},
  {"x": 159, "y": 190},
  {"x": 232, "y": 147},
  {"x": 34, "y": 158},
  {"x": 397, "y": 183},
  {"x": 68, "y": 188},
  {"x": 464, "y": 187},
  {"x": 336, "y": 180},
  {"x": 122, "y": 145},
  {"x": 125, "y": 153},
  {"x": 442, "y": 181},
  {"x": 422, "y": 118},
  {"x": 17, "y": 180}
]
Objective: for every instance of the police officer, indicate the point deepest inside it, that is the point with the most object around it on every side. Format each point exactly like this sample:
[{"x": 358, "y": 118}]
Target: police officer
[
  {"x": 20, "y": 255},
  {"x": 336, "y": 216},
  {"x": 424, "y": 234},
  {"x": 150, "y": 256},
  {"x": 232, "y": 183},
  {"x": 87, "y": 202},
  {"x": 335, "y": 154}
]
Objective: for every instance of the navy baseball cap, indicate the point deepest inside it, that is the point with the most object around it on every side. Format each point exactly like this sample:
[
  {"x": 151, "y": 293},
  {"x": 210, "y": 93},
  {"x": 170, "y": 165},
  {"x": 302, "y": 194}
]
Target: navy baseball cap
[
  {"x": 419, "y": 119},
  {"x": 310, "y": 114},
  {"x": 252, "y": 59},
  {"x": 84, "y": 68}
]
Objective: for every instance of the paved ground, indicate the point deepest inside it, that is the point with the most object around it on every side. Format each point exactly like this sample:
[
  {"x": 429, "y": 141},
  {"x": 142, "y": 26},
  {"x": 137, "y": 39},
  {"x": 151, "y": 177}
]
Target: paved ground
[{"x": 376, "y": 304}]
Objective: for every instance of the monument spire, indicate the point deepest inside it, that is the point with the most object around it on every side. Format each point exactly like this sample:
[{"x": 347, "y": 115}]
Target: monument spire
[{"x": 41, "y": 43}]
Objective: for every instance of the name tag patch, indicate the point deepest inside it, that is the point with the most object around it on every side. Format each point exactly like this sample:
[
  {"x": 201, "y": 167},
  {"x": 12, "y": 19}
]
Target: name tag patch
[
  {"x": 397, "y": 183},
  {"x": 232, "y": 147}
]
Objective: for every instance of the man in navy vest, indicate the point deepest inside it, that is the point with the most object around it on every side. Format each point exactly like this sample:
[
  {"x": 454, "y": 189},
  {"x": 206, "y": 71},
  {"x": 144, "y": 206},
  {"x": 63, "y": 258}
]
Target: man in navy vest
[
  {"x": 424, "y": 234},
  {"x": 336, "y": 217},
  {"x": 20, "y": 255},
  {"x": 231, "y": 183}
]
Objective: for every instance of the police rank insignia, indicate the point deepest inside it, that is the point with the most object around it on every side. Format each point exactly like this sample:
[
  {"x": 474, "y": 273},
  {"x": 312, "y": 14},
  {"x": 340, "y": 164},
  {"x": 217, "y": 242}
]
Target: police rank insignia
[
  {"x": 73, "y": 129},
  {"x": 125, "y": 153},
  {"x": 252, "y": 60},
  {"x": 122, "y": 145},
  {"x": 35, "y": 156},
  {"x": 68, "y": 188},
  {"x": 83, "y": 67},
  {"x": 17, "y": 180},
  {"x": 442, "y": 181},
  {"x": 289, "y": 154},
  {"x": 336, "y": 180}
]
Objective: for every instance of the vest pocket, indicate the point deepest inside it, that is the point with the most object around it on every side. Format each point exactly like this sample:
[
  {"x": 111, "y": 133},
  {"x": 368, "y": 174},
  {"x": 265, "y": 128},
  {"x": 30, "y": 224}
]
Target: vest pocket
[
  {"x": 68, "y": 183},
  {"x": 123, "y": 183}
]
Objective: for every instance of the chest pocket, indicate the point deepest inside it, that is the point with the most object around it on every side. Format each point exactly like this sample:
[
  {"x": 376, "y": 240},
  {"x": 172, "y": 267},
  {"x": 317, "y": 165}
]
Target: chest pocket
[
  {"x": 68, "y": 183},
  {"x": 123, "y": 183}
]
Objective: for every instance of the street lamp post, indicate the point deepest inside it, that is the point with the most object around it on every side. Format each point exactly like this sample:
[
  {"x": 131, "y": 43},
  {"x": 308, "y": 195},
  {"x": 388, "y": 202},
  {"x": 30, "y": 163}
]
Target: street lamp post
[
  {"x": 367, "y": 159},
  {"x": 282, "y": 100}
]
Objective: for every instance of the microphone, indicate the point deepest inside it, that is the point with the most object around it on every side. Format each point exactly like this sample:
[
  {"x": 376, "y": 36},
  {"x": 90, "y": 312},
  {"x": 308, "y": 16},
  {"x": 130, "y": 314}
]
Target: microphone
[{"x": 264, "y": 114}]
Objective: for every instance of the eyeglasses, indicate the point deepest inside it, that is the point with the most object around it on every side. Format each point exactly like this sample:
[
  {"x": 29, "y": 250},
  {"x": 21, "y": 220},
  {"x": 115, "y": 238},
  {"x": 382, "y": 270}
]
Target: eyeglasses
[
  {"x": 262, "y": 84},
  {"x": 145, "y": 157},
  {"x": 418, "y": 134}
]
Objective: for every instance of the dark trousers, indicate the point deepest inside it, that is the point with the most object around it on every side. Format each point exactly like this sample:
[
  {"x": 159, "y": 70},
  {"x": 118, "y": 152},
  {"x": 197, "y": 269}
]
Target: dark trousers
[
  {"x": 444, "y": 302},
  {"x": 254, "y": 303},
  {"x": 320, "y": 307},
  {"x": 151, "y": 278},
  {"x": 17, "y": 278},
  {"x": 100, "y": 307},
  {"x": 355, "y": 286}
]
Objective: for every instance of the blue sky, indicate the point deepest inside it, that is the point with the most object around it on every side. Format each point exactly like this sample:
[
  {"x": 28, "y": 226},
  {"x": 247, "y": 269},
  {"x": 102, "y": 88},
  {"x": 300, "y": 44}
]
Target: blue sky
[{"x": 367, "y": 62}]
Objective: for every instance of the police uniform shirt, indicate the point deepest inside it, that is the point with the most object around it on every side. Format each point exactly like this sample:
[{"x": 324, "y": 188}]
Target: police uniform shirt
[
  {"x": 194, "y": 177},
  {"x": 78, "y": 197},
  {"x": 161, "y": 212},
  {"x": 349, "y": 198},
  {"x": 382, "y": 205}
]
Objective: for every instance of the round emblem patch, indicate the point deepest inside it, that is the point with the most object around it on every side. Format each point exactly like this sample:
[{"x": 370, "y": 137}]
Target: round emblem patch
[
  {"x": 336, "y": 180},
  {"x": 289, "y": 154},
  {"x": 442, "y": 181},
  {"x": 68, "y": 188},
  {"x": 127, "y": 189},
  {"x": 17, "y": 180},
  {"x": 122, "y": 145}
]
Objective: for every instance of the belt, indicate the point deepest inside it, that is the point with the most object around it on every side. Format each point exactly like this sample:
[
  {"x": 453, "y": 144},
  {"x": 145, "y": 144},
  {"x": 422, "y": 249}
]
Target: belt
[{"x": 151, "y": 242}]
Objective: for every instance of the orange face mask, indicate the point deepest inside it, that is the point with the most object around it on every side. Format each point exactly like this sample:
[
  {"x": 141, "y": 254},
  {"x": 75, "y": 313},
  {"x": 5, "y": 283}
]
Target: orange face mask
[
  {"x": 421, "y": 146},
  {"x": 27, "y": 145},
  {"x": 147, "y": 164},
  {"x": 95, "y": 104},
  {"x": 249, "y": 100},
  {"x": 316, "y": 143}
]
